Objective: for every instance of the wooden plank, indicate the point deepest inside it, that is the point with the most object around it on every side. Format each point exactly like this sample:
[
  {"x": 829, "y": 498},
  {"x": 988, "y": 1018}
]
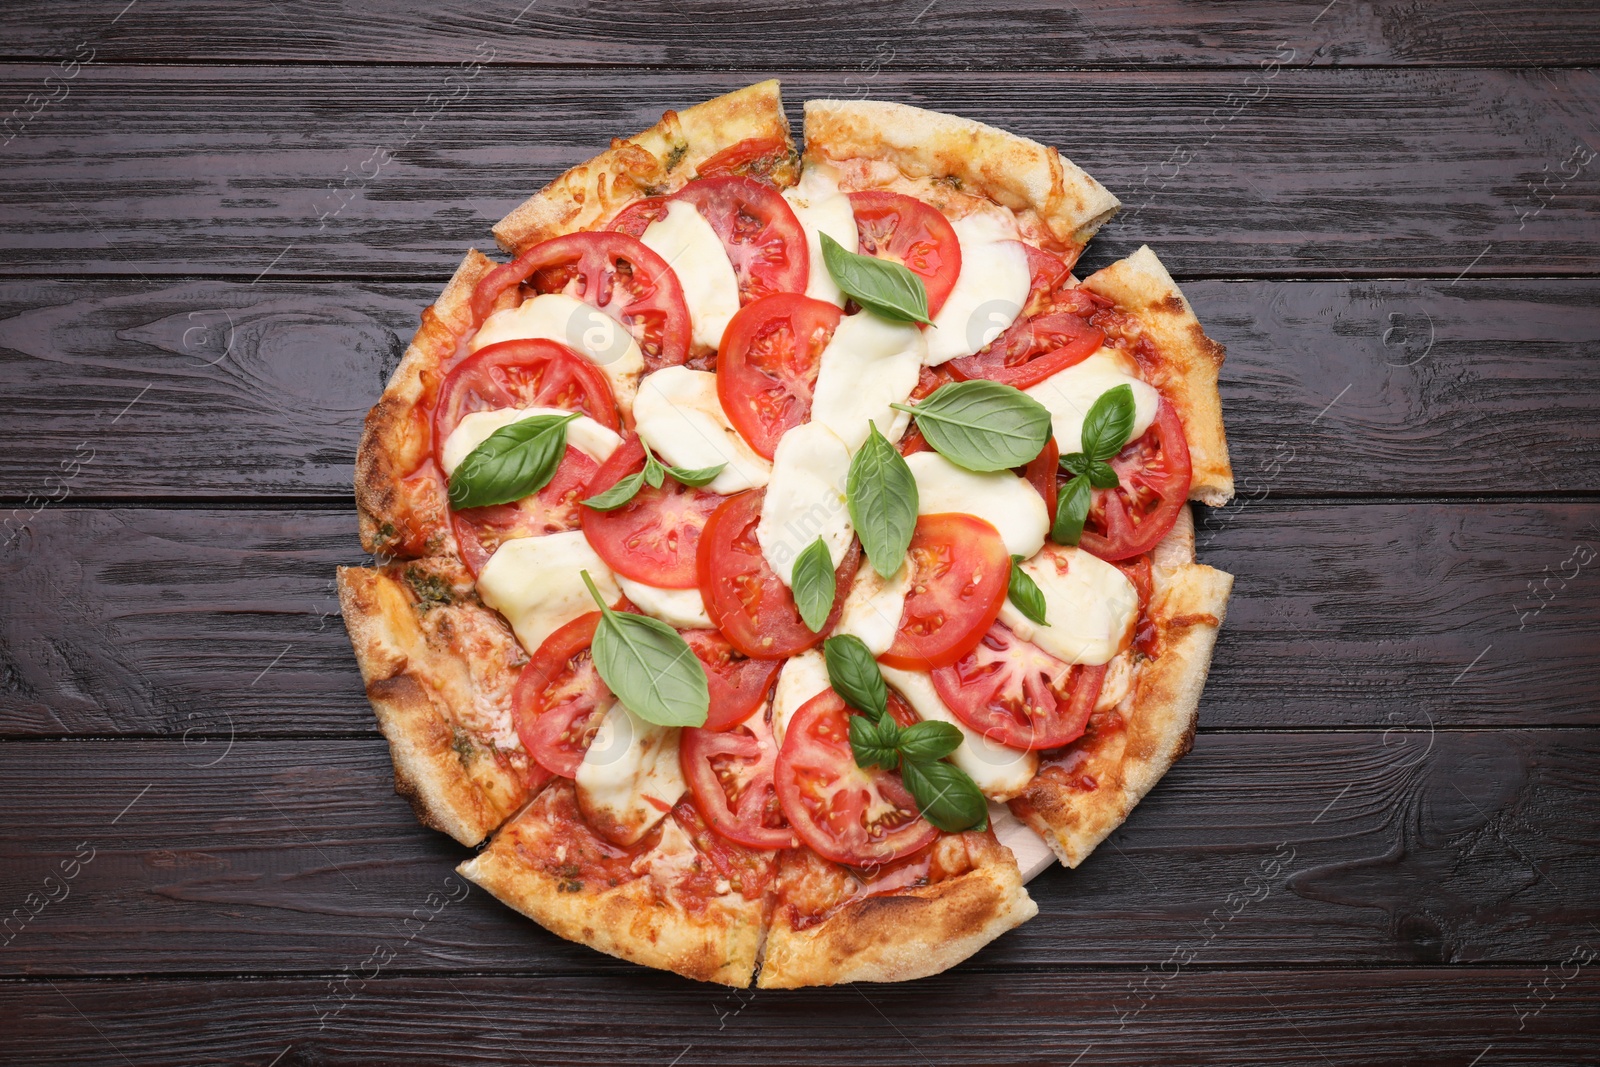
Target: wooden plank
[
  {"x": 1270, "y": 1018},
  {"x": 1310, "y": 848},
  {"x": 211, "y": 623},
  {"x": 1346, "y": 387},
  {"x": 1342, "y": 172},
  {"x": 831, "y": 34}
]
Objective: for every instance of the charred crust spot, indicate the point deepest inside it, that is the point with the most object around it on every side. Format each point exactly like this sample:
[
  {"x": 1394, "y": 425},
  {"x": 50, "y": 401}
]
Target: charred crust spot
[{"x": 1172, "y": 304}]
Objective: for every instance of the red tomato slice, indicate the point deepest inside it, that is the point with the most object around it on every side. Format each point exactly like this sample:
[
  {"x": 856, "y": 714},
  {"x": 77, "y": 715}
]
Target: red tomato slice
[
  {"x": 960, "y": 571},
  {"x": 850, "y": 815},
  {"x": 738, "y": 684},
  {"x": 634, "y": 219},
  {"x": 767, "y": 365},
  {"x": 655, "y": 537},
  {"x": 1031, "y": 350},
  {"x": 730, "y": 774},
  {"x": 1155, "y": 475},
  {"x": 764, "y": 239},
  {"x": 1042, "y": 473},
  {"x": 479, "y": 531},
  {"x": 610, "y": 271},
  {"x": 560, "y": 699},
  {"x": 745, "y": 597},
  {"x": 754, "y": 157},
  {"x": 904, "y": 229},
  {"x": 1015, "y": 693}
]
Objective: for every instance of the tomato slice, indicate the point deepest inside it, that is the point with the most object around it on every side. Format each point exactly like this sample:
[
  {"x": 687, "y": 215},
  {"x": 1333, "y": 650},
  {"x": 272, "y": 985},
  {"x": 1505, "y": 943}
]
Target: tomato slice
[
  {"x": 730, "y": 773},
  {"x": 850, "y": 815},
  {"x": 767, "y": 365},
  {"x": 634, "y": 219},
  {"x": 479, "y": 531},
  {"x": 745, "y": 597},
  {"x": 1031, "y": 350},
  {"x": 764, "y": 239},
  {"x": 738, "y": 684},
  {"x": 904, "y": 229},
  {"x": 959, "y": 574},
  {"x": 1041, "y": 474},
  {"x": 1015, "y": 693},
  {"x": 754, "y": 157},
  {"x": 655, "y": 537},
  {"x": 1154, "y": 473},
  {"x": 610, "y": 271},
  {"x": 560, "y": 699}
]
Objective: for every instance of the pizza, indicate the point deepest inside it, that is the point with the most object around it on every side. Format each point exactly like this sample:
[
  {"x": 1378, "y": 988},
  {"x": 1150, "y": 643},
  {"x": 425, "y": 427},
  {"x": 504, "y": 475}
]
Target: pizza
[{"x": 782, "y": 557}]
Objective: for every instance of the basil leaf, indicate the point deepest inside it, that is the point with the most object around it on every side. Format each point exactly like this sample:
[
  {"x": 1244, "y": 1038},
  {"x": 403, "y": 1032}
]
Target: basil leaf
[
  {"x": 1102, "y": 475},
  {"x": 654, "y": 472},
  {"x": 511, "y": 463},
  {"x": 1076, "y": 462},
  {"x": 983, "y": 426},
  {"x": 868, "y": 747},
  {"x": 695, "y": 477},
  {"x": 618, "y": 495},
  {"x": 946, "y": 796},
  {"x": 814, "y": 584},
  {"x": 1109, "y": 423},
  {"x": 649, "y": 667},
  {"x": 1024, "y": 591},
  {"x": 922, "y": 742},
  {"x": 1071, "y": 509},
  {"x": 882, "y": 497},
  {"x": 879, "y": 285},
  {"x": 855, "y": 676}
]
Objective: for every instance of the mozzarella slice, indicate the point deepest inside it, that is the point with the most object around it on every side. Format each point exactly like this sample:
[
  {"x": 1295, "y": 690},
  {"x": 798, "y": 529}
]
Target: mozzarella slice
[
  {"x": 1000, "y": 772},
  {"x": 630, "y": 778},
  {"x": 990, "y": 292},
  {"x": 873, "y": 607},
  {"x": 582, "y": 327},
  {"x": 679, "y": 415},
  {"x": 1000, "y": 498},
  {"x": 1032, "y": 854},
  {"x": 805, "y": 499},
  {"x": 695, "y": 253},
  {"x": 683, "y": 608},
  {"x": 1069, "y": 395},
  {"x": 869, "y": 364},
  {"x": 1090, "y": 607},
  {"x": 534, "y": 582},
  {"x": 802, "y": 677},
  {"x": 583, "y": 433},
  {"x": 822, "y": 209}
]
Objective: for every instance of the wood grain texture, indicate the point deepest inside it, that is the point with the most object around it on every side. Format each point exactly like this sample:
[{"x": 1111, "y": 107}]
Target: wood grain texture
[
  {"x": 1420, "y": 386},
  {"x": 293, "y": 856},
  {"x": 377, "y": 171}
]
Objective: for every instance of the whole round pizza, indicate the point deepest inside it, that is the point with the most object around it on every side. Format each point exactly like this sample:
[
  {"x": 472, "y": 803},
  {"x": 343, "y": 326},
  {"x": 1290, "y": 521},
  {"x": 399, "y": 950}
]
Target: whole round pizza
[{"x": 782, "y": 557}]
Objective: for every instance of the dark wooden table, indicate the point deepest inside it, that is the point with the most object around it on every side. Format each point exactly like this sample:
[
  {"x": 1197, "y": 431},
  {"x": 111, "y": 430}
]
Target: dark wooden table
[{"x": 218, "y": 224}]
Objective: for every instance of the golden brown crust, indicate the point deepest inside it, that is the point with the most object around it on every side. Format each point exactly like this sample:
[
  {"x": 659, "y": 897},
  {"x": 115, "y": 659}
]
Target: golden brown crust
[
  {"x": 1186, "y": 363},
  {"x": 658, "y": 161},
  {"x": 437, "y": 674},
  {"x": 1029, "y": 178}
]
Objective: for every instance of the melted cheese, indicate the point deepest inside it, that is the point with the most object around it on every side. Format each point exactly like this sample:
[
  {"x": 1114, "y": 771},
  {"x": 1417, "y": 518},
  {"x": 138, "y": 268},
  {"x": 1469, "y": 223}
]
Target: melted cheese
[
  {"x": 805, "y": 499},
  {"x": 999, "y": 771},
  {"x": 873, "y": 607},
  {"x": 1028, "y": 848},
  {"x": 802, "y": 677},
  {"x": 581, "y": 327},
  {"x": 694, "y": 252},
  {"x": 534, "y": 582},
  {"x": 1069, "y": 395},
  {"x": 1000, "y": 498},
  {"x": 869, "y": 364},
  {"x": 822, "y": 209},
  {"x": 683, "y": 608},
  {"x": 678, "y": 414},
  {"x": 1090, "y": 606},
  {"x": 583, "y": 433},
  {"x": 630, "y": 777},
  {"x": 990, "y": 292}
]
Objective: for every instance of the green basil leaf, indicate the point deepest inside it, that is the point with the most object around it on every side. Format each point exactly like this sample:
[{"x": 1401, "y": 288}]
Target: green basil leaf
[
  {"x": 945, "y": 795},
  {"x": 649, "y": 667},
  {"x": 855, "y": 675},
  {"x": 654, "y": 472},
  {"x": 879, "y": 285},
  {"x": 618, "y": 495},
  {"x": 695, "y": 477},
  {"x": 983, "y": 426},
  {"x": 882, "y": 497},
  {"x": 868, "y": 748},
  {"x": 1024, "y": 591},
  {"x": 814, "y": 584},
  {"x": 511, "y": 463},
  {"x": 922, "y": 742},
  {"x": 1102, "y": 475},
  {"x": 1076, "y": 462},
  {"x": 1109, "y": 423},
  {"x": 1071, "y": 509}
]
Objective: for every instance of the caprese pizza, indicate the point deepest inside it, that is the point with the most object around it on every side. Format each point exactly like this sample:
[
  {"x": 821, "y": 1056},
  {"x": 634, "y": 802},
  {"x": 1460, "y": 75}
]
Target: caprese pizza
[{"x": 782, "y": 558}]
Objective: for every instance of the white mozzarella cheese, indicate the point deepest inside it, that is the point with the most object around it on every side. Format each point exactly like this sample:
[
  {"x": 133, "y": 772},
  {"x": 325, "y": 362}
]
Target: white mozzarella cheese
[
  {"x": 630, "y": 777},
  {"x": 805, "y": 499},
  {"x": 1069, "y": 395},
  {"x": 990, "y": 292},
  {"x": 1032, "y": 854},
  {"x": 1000, "y": 498},
  {"x": 999, "y": 771},
  {"x": 874, "y": 605},
  {"x": 582, "y": 327},
  {"x": 1090, "y": 607},
  {"x": 802, "y": 677},
  {"x": 869, "y": 364},
  {"x": 683, "y": 608},
  {"x": 679, "y": 415},
  {"x": 693, "y": 250},
  {"x": 822, "y": 209},
  {"x": 583, "y": 433},
  {"x": 534, "y": 582}
]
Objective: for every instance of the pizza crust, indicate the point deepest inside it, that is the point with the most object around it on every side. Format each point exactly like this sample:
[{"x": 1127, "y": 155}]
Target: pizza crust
[
  {"x": 1187, "y": 365},
  {"x": 653, "y": 163}
]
